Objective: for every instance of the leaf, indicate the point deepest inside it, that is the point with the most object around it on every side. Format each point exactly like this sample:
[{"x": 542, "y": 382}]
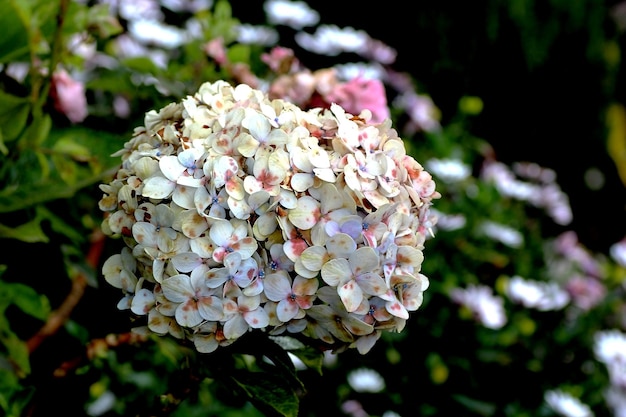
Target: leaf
[
  {"x": 479, "y": 407},
  {"x": 25, "y": 298},
  {"x": 270, "y": 393},
  {"x": 616, "y": 140},
  {"x": 29, "y": 232},
  {"x": 27, "y": 187},
  {"x": 14, "y": 113},
  {"x": 14, "y": 40}
]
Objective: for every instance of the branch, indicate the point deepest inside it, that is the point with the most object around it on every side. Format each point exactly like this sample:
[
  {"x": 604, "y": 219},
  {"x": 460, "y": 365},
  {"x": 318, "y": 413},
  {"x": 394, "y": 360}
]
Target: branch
[{"x": 58, "y": 317}]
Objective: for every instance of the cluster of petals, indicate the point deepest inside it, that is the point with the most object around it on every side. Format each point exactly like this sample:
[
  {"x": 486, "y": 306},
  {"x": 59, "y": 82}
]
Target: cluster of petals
[{"x": 240, "y": 212}]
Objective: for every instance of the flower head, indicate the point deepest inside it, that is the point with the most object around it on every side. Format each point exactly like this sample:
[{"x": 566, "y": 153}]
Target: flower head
[{"x": 243, "y": 212}]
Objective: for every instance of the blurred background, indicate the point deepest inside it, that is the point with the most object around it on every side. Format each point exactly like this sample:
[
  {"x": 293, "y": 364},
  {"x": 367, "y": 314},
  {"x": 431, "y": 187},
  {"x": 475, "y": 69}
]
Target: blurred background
[{"x": 547, "y": 72}]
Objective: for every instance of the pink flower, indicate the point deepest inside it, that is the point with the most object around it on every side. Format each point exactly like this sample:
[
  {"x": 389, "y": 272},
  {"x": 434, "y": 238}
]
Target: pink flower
[
  {"x": 69, "y": 96},
  {"x": 361, "y": 93}
]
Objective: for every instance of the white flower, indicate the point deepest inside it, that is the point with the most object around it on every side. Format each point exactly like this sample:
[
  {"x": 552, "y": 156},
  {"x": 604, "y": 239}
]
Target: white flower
[
  {"x": 366, "y": 380},
  {"x": 241, "y": 213},
  {"x": 540, "y": 295},
  {"x": 567, "y": 405},
  {"x": 488, "y": 308}
]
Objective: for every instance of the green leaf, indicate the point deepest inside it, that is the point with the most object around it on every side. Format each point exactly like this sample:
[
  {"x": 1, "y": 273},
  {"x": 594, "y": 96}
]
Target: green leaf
[
  {"x": 29, "y": 232},
  {"x": 26, "y": 298},
  {"x": 270, "y": 393},
  {"x": 141, "y": 64},
  {"x": 14, "y": 40},
  {"x": 478, "y": 407},
  {"x": 14, "y": 113},
  {"x": 27, "y": 187},
  {"x": 37, "y": 130}
]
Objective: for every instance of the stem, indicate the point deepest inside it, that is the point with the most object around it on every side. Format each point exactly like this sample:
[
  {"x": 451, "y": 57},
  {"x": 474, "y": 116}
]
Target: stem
[{"x": 58, "y": 317}]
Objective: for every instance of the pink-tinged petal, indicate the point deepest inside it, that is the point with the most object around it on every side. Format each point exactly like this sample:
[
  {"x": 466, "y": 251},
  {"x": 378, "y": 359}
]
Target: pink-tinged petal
[
  {"x": 277, "y": 286},
  {"x": 306, "y": 214},
  {"x": 396, "y": 308},
  {"x": 234, "y": 187},
  {"x": 192, "y": 224},
  {"x": 351, "y": 295},
  {"x": 114, "y": 267},
  {"x": 304, "y": 286},
  {"x": 341, "y": 245},
  {"x": 221, "y": 231},
  {"x": 223, "y": 168},
  {"x": 145, "y": 234},
  {"x": 286, "y": 310},
  {"x": 183, "y": 196},
  {"x": 257, "y": 318},
  {"x": 314, "y": 257},
  {"x": 205, "y": 343},
  {"x": 186, "y": 261},
  {"x": 251, "y": 184},
  {"x": 142, "y": 302},
  {"x": 288, "y": 199},
  {"x": 410, "y": 256},
  {"x": 157, "y": 187},
  {"x": 211, "y": 308},
  {"x": 239, "y": 208},
  {"x": 245, "y": 247},
  {"x": 187, "y": 314},
  {"x": 230, "y": 307},
  {"x": 216, "y": 277},
  {"x": 372, "y": 284},
  {"x": 336, "y": 272},
  {"x": 294, "y": 248},
  {"x": 159, "y": 323},
  {"x": 364, "y": 259},
  {"x": 235, "y": 327},
  {"x": 256, "y": 287},
  {"x": 177, "y": 288},
  {"x": 356, "y": 326}
]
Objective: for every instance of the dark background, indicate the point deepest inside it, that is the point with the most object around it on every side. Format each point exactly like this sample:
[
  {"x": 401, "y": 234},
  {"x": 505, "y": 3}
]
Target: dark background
[{"x": 542, "y": 78}]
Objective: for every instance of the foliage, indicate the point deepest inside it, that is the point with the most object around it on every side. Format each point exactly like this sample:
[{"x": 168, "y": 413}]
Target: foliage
[{"x": 63, "y": 340}]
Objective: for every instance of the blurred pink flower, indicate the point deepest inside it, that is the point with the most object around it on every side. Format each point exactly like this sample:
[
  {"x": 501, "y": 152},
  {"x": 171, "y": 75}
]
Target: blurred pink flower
[
  {"x": 361, "y": 93},
  {"x": 69, "y": 96}
]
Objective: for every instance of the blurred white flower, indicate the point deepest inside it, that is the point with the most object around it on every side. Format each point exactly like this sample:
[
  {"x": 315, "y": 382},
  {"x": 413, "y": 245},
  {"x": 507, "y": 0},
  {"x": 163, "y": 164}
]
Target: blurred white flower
[
  {"x": 256, "y": 35},
  {"x": 295, "y": 14},
  {"x": 502, "y": 233},
  {"x": 540, "y": 295},
  {"x": 618, "y": 252},
  {"x": 543, "y": 193},
  {"x": 449, "y": 221},
  {"x": 366, "y": 380},
  {"x": 448, "y": 170},
  {"x": 567, "y": 405},
  {"x": 331, "y": 40},
  {"x": 616, "y": 400},
  {"x": 487, "y": 308},
  {"x": 610, "y": 349},
  {"x": 153, "y": 32}
]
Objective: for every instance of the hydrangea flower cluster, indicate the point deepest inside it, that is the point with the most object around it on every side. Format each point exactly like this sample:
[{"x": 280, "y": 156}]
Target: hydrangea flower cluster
[{"x": 240, "y": 212}]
